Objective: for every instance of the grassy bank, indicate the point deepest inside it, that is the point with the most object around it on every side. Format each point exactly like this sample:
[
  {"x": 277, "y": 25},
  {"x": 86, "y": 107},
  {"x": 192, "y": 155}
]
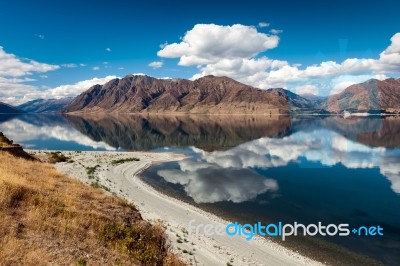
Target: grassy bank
[{"x": 47, "y": 218}]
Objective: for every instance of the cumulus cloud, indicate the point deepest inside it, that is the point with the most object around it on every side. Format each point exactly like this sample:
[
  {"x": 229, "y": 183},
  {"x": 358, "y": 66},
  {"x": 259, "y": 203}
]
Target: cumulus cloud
[
  {"x": 72, "y": 89},
  {"x": 108, "y": 49},
  {"x": 14, "y": 74},
  {"x": 209, "y": 43},
  {"x": 95, "y": 68},
  {"x": 156, "y": 64},
  {"x": 338, "y": 88},
  {"x": 235, "y": 51},
  {"x": 15, "y": 77}
]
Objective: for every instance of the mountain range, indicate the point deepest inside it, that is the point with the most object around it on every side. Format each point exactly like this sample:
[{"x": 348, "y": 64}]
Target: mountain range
[
  {"x": 214, "y": 95},
  {"x": 8, "y": 109},
  {"x": 45, "y": 105}
]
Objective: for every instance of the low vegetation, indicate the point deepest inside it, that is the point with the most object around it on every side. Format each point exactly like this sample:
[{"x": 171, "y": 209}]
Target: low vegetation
[
  {"x": 120, "y": 161},
  {"x": 47, "y": 218},
  {"x": 57, "y": 157},
  {"x": 91, "y": 170}
]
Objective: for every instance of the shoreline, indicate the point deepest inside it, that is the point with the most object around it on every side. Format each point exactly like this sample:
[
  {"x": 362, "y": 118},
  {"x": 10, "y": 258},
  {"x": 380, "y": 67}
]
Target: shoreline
[{"x": 122, "y": 180}]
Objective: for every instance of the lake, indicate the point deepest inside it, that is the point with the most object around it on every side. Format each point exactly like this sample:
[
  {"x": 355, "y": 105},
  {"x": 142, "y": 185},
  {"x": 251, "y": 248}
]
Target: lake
[{"x": 279, "y": 168}]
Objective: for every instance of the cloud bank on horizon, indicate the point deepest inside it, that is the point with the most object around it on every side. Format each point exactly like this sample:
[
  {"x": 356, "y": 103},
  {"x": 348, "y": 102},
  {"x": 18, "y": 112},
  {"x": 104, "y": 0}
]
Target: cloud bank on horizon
[{"x": 237, "y": 51}]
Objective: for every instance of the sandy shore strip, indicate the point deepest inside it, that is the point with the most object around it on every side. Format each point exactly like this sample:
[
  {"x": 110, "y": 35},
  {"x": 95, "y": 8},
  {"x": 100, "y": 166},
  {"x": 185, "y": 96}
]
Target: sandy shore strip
[{"x": 122, "y": 179}]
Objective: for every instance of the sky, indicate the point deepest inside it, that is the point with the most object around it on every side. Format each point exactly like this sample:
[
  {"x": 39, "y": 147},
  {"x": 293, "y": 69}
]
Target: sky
[{"x": 54, "y": 49}]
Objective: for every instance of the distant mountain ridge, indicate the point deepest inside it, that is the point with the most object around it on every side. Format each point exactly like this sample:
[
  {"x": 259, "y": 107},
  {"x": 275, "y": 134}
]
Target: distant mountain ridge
[
  {"x": 296, "y": 101},
  {"x": 9, "y": 109},
  {"x": 46, "y": 105},
  {"x": 207, "y": 95},
  {"x": 370, "y": 96}
]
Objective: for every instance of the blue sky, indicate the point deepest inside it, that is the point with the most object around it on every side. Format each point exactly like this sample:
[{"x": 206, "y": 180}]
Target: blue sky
[{"x": 83, "y": 40}]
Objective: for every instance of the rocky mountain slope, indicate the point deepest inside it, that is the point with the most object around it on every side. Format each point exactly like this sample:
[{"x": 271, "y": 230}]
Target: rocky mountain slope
[
  {"x": 144, "y": 94},
  {"x": 45, "y": 105},
  {"x": 370, "y": 96}
]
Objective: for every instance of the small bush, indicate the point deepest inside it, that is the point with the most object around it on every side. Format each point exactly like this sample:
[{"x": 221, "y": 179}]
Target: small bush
[
  {"x": 120, "y": 161},
  {"x": 58, "y": 157}
]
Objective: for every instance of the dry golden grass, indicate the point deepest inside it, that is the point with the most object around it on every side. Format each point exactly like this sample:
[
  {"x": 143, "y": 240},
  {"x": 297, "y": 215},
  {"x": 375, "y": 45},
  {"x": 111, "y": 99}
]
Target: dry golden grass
[{"x": 46, "y": 218}]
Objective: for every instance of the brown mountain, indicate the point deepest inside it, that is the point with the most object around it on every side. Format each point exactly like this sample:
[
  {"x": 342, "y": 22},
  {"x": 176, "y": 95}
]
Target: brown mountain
[
  {"x": 8, "y": 109},
  {"x": 370, "y": 96},
  {"x": 144, "y": 94}
]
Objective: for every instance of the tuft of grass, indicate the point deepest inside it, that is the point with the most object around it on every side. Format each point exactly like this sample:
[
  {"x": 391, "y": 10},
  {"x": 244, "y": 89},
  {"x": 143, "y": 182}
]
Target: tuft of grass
[
  {"x": 57, "y": 157},
  {"x": 81, "y": 262},
  {"x": 120, "y": 161},
  {"x": 91, "y": 170}
]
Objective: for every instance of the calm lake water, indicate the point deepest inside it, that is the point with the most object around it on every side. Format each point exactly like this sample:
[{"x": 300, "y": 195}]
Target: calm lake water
[{"x": 304, "y": 169}]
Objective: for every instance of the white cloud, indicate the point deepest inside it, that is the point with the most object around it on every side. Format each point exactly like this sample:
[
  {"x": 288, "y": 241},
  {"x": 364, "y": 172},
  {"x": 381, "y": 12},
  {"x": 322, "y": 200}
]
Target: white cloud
[
  {"x": 15, "y": 72},
  {"x": 108, "y": 49},
  {"x": 210, "y": 43},
  {"x": 274, "y": 31},
  {"x": 263, "y": 24},
  {"x": 306, "y": 89},
  {"x": 95, "y": 68},
  {"x": 16, "y": 93},
  {"x": 12, "y": 66},
  {"x": 156, "y": 64},
  {"x": 235, "y": 51},
  {"x": 73, "y": 89},
  {"x": 338, "y": 88}
]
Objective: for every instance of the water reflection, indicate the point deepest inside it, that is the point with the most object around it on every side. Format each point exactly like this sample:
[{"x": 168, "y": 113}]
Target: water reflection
[
  {"x": 205, "y": 132},
  {"x": 318, "y": 148},
  {"x": 207, "y": 183},
  {"x": 51, "y": 132}
]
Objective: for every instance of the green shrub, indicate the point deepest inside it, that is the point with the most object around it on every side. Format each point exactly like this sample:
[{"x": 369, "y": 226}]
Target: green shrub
[{"x": 119, "y": 161}]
